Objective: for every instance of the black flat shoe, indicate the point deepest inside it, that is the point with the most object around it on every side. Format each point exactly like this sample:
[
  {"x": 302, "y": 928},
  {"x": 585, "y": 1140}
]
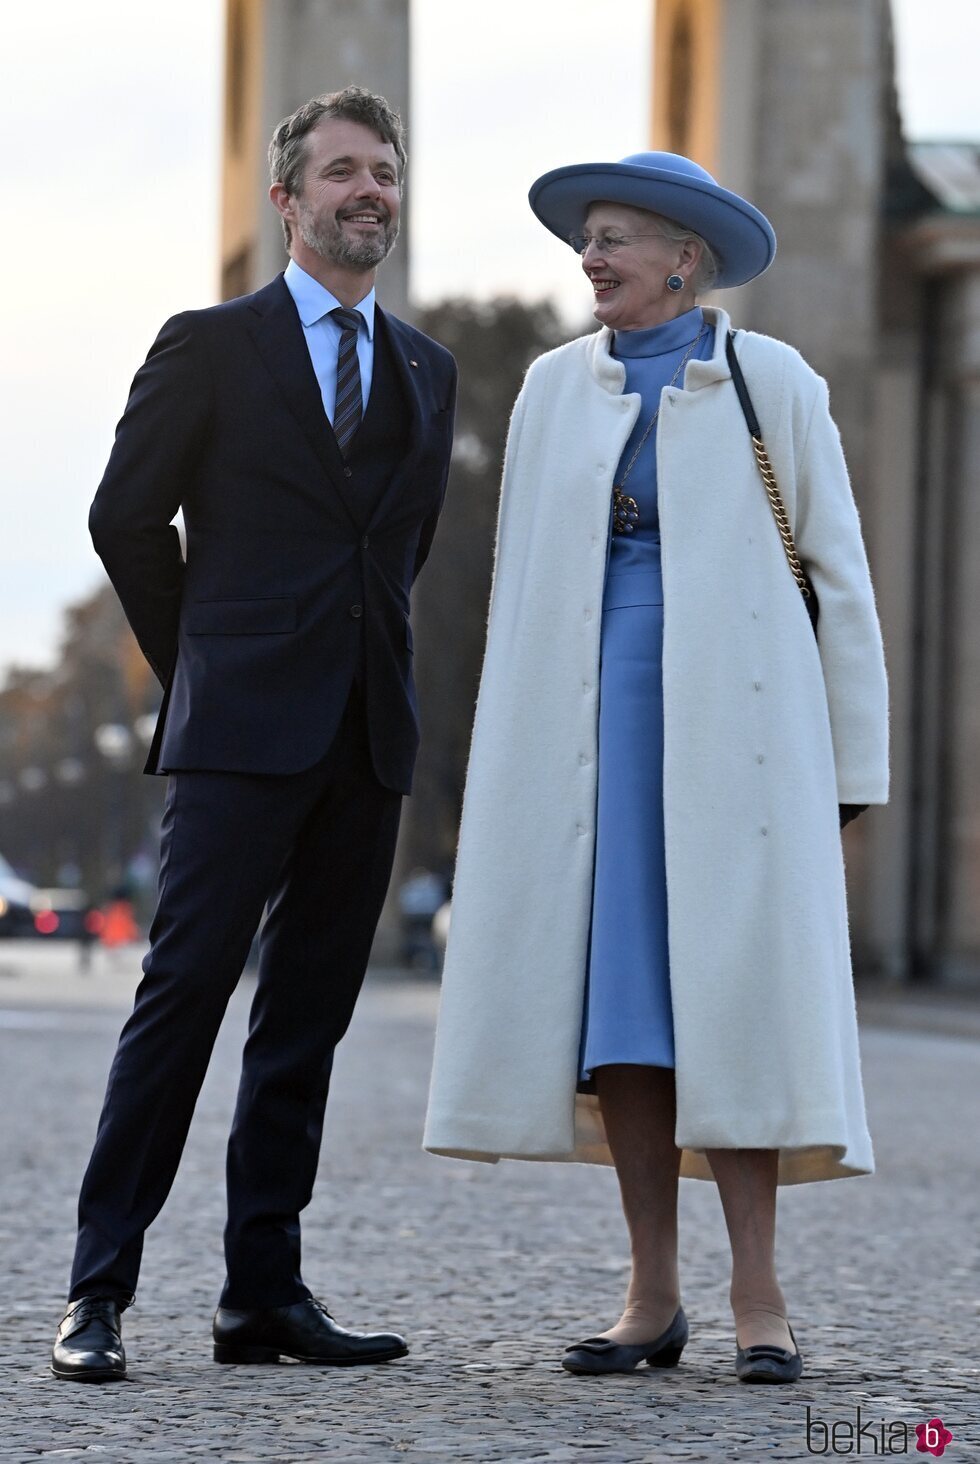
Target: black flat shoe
[
  {"x": 764, "y": 1364},
  {"x": 88, "y": 1347},
  {"x": 305, "y": 1331},
  {"x": 601, "y": 1355}
]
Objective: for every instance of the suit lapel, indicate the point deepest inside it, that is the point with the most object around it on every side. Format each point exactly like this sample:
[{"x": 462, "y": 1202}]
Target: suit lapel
[
  {"x": 408, "y": 374},
  {"x": 275, "y": 328}
]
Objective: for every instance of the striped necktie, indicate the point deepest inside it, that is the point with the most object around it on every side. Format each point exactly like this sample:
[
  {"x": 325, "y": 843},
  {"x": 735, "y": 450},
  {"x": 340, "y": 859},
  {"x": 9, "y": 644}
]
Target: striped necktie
[{"x": 348, "y": 405}]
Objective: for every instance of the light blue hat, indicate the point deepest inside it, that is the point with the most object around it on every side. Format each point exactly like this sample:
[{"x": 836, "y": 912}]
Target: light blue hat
[{"x": 670, "y": 185}]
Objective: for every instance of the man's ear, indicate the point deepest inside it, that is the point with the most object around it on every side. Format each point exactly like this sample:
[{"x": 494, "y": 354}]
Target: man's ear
[{"x": 282, "y": 201}]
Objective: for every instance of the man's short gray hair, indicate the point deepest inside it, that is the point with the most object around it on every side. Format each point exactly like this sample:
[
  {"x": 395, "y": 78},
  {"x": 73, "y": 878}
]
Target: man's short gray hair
[{"x": 287, "y": 150}]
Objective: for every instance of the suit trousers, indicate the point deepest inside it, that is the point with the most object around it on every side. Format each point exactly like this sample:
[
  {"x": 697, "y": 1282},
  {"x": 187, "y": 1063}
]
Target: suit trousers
[{"x": 317, "y": 848}]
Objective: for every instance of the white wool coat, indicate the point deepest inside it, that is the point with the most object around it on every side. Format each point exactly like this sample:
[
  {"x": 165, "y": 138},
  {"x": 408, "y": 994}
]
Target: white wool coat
[{"x": 766, "y": 730}]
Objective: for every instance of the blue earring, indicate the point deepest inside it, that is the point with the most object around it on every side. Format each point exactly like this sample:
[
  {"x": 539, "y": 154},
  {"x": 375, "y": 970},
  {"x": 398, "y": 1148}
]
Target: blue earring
[{"x": 675, "y": 282}]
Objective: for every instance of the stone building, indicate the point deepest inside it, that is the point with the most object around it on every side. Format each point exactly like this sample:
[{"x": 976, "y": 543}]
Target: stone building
[{"x": 877, "y": 282}]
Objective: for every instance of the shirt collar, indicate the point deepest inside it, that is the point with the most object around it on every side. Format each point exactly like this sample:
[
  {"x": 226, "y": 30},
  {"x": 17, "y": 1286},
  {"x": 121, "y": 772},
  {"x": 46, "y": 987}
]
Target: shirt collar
[{"x": 313, "y": 301}]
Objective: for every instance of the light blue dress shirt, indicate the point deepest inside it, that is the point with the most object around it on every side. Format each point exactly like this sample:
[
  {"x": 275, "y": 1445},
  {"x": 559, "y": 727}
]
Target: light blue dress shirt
[{"x": 314, "y": 304}]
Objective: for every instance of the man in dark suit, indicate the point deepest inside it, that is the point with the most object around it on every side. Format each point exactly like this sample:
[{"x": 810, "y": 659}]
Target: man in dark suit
[{"x": 306, "y": 437}]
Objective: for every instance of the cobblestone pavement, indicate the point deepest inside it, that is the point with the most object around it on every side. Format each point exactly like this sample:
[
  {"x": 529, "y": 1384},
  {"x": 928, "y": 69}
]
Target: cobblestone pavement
[{"x": 490, "y": 1270}]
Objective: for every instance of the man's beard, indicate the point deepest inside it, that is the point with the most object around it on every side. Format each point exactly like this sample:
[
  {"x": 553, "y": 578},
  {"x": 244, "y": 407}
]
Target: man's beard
[{"x": 331, "y": 243}]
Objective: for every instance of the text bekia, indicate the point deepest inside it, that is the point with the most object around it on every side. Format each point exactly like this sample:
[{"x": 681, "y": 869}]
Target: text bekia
[{"x": 873, "y": 1436}]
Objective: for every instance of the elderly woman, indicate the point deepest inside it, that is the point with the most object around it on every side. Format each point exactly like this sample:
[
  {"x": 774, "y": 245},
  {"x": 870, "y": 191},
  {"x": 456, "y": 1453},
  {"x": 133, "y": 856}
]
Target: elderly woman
[{"x": 649, "y": 955}]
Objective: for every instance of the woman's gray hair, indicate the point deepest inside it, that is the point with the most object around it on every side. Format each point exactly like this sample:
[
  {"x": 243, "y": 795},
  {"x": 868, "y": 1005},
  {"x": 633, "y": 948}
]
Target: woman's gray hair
[
  {"x": 707, "y": 269},
  {"x": 287, "y": 150}
]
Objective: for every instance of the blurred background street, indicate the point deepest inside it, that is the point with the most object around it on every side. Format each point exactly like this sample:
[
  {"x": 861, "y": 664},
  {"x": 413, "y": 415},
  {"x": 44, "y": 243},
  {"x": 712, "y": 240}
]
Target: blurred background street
[{"x": 490, "y": 1270}]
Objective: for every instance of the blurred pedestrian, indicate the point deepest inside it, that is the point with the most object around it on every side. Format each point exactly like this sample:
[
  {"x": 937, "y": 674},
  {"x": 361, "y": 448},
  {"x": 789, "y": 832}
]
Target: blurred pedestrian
[
  {"x": 305, "y": 434},
  {"x": 648, "y": 961},
  {"x": 90, "y": 930},
  {"x": 420, "y": 896},
  {"x": 119, "y": 926}
]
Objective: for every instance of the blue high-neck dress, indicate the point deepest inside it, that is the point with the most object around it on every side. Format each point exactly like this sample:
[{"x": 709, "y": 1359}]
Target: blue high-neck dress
[{"x": 627, "y": 1016}]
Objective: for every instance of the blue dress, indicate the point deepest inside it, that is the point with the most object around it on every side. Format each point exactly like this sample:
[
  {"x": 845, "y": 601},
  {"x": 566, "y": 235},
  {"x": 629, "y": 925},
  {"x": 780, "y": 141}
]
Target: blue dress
[{"x": 627, "y": 1016}]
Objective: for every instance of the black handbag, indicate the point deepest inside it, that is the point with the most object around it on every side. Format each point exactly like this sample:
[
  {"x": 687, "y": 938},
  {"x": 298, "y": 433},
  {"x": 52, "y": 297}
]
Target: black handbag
[{"x": 848, "y": 811}]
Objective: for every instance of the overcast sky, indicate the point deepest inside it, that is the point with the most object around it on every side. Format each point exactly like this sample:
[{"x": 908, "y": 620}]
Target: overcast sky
[{"x": 110, "y": 112}]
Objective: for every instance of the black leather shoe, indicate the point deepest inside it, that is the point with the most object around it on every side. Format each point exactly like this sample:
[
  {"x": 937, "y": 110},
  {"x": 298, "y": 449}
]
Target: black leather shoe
[
  {"x": 763, "y": 1364},
  {"x": 88, "y": 1347},
  {"x": 601, "y": 1355},
  {"x": 305, "y": 1331}
]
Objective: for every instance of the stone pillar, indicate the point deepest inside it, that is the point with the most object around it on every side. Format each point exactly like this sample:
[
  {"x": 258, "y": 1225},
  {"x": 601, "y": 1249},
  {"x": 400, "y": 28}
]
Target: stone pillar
[
  {"x": 960, "y": 912},
  {"x": 880, "y": 854},
  {"x": 803, "y": 119},
  {"x": 944, "y": 913},
  {"x": 820, "y": 127},
  {"x": 280, "y": 53}
]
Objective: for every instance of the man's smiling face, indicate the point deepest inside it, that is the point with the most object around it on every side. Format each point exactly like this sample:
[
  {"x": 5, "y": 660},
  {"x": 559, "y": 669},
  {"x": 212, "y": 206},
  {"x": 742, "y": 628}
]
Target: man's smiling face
[{"x": 348, "y": 209}]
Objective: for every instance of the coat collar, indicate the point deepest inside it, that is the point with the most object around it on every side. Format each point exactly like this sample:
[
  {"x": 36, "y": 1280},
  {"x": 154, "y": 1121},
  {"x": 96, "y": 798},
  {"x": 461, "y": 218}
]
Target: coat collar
[{"x": 610, "y": 373}]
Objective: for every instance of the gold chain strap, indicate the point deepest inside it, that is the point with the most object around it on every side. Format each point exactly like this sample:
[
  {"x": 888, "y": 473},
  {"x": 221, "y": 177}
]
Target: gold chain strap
[{"x": 780, "y": 515}]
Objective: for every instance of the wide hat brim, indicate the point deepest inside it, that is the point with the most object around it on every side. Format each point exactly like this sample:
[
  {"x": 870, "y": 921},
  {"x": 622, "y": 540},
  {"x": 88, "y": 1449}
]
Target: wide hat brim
[{"x": 742, "y": 238}]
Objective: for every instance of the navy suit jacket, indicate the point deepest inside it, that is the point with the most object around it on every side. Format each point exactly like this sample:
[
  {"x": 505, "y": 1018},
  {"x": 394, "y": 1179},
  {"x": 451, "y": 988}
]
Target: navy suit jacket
[{"x": 292, "y": 580}]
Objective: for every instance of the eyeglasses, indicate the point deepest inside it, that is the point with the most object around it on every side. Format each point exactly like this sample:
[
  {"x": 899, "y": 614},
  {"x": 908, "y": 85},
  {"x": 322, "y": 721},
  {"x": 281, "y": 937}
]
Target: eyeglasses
[{"x": 609, "y": 243}]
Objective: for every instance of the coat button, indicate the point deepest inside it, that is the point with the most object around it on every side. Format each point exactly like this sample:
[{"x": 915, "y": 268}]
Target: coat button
[
  {"x": 356, "y": 612},
  {"x": 757, "y": 685},
  {"x": 580, "y": 829},
  {"x": 348, "y": 473},
  {"x": 365, "y": 542},
  {"x": 583, "y": 759},
  {"x": 763, "y": 830},
  {"x": 760, "y": 758}
]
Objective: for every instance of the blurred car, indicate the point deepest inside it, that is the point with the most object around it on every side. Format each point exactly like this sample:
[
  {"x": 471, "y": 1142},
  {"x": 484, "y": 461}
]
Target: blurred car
[
  {"x": 64, "y": 915},
  {"x": 16, "y": 915}
]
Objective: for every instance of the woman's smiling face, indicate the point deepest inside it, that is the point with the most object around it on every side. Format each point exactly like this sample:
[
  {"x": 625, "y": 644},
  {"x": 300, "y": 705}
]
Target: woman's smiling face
[{"x": 630, "y": 282}]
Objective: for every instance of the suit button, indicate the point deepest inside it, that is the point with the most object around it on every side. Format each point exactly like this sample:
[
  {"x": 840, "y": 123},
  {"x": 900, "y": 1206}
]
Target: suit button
[
  {"x": 355, "y": 612},
  {"x": 365, "y": 542},
  {"x": 348, "y": 473}
]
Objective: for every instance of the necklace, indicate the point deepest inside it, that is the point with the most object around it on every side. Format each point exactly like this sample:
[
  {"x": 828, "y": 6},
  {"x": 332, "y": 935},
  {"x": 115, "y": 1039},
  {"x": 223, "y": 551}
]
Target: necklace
[{"x": 626, "y": 510}]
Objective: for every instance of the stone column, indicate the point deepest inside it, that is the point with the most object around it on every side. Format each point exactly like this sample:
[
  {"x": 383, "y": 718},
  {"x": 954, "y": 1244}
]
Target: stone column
[{"x": 280, "y": 53}]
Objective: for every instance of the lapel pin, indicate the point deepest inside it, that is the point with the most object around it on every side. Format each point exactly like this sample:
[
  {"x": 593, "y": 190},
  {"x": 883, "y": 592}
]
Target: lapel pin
[{"x": 413, "y": 363}]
